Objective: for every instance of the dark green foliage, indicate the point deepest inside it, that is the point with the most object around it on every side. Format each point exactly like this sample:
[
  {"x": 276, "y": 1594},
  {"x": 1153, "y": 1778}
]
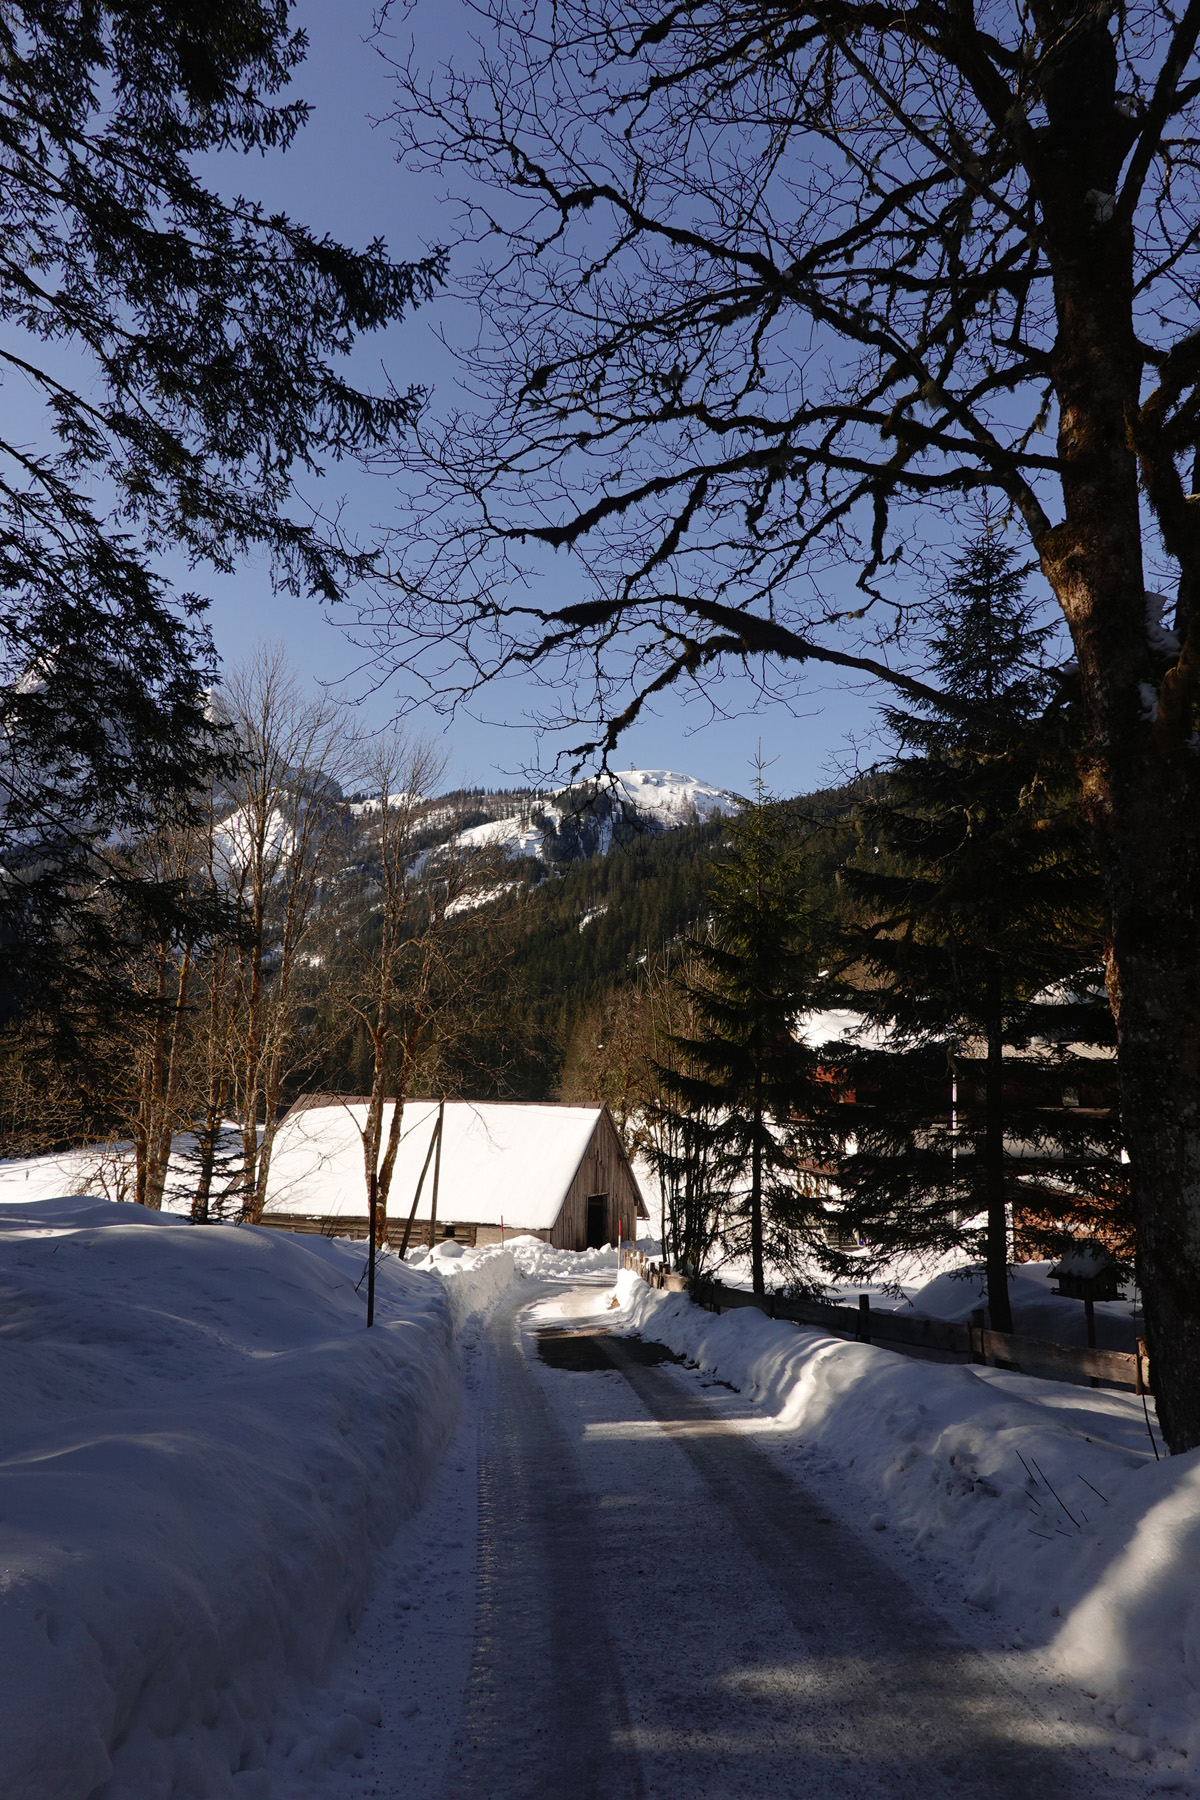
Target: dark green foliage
[
  {"x": 741, "y": 1068},
  {"x": 172, "y": 361},
  {"x": 977, "y": 891},
  {"x": 585, "y": 934}
]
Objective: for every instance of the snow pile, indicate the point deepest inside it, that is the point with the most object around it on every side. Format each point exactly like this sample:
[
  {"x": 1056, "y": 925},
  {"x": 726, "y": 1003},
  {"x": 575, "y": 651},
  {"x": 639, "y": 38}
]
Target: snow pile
[
  {"x": 475, "y": 1280},
  {"x": 539, "y": 1261},
  {"x": 204, "y": 1452},
  {"x": 493, "y": 1268},
  {"x": 1037, "y": 1310},
  {"x": 1043, "y": 1501}
]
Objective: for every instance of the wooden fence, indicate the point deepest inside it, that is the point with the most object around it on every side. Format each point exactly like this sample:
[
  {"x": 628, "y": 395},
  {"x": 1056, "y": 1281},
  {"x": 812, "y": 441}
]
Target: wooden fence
[
  {"x": 337, "y": 1225},
  {"x": 937, "y": 1340}
]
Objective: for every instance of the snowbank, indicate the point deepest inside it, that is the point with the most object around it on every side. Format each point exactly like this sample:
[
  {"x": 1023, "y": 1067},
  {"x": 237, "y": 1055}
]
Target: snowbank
[
  {"x": 1037, "y": 1310},
  {"x": 204, "y": 1450},
  {"x": 475, "y": 1280},
  {"x": 1043, "y": 1501},
  {"x": 529, "y": 1258}
]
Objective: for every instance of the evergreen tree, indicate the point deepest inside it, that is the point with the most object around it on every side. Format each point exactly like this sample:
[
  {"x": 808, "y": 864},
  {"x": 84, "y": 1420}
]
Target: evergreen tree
[
  {"x": 179, "y": 353},
  {"x": 745, "y": 1066},
  {"x": 979, "y": 892}
]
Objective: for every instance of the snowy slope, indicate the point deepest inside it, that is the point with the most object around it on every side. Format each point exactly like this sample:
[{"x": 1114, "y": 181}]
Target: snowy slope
[
  {"x": 517, "y": 836},
  {"x": 661, "y": 797},
  {"x": 1038, "y": 1502},
  {"x": 673, "y": 799},
  {"x": 204, "y": 1451}
]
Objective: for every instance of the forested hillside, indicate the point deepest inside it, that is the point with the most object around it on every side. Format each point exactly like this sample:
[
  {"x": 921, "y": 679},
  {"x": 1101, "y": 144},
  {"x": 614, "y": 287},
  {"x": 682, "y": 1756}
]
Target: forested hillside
[{"x": 563, "y": 939}]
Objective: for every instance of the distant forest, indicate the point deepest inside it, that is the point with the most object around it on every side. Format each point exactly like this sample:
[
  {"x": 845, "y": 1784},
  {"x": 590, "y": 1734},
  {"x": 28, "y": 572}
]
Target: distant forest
[{"x": 565, "y": 940}]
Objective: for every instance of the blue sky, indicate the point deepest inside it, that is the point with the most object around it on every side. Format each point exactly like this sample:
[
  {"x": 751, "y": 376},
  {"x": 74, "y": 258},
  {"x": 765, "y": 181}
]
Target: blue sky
[{"x": 342, "y": 176}]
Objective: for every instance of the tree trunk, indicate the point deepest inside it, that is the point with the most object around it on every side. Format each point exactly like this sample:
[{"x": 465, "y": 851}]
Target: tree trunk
[
  {"x": 1142, "y": 791},
  {"x": 217, "y": 1051},
  {"x": 757, "y": 1279},
  {"x": 148, "y": 1190},
  {"x": 1154, "y": 862},
  {"x": 993, "y": 1176},
  {"x": 160, "y": 1162}
]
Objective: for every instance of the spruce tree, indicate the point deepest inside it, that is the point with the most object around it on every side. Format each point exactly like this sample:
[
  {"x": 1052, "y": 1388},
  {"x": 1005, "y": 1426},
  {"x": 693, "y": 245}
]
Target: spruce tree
[
  {"x": 180, "y": 354},
  {"x": 977, "y": 893},
  {"x": 745, "y": 1068}
]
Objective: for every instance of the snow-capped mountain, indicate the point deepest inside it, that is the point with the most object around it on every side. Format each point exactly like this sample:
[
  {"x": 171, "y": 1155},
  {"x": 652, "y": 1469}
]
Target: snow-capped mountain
[
  {"x": 674, "y": 799},
  {"x": 586, "y": 818}
]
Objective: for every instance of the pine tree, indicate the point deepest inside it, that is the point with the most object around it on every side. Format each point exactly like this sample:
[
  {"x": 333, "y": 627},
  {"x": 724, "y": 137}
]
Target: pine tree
[
  {"x": 181, "y": 357},
  {"x": 979, "y": 892},
  {"x": 746, "y": 1067}
]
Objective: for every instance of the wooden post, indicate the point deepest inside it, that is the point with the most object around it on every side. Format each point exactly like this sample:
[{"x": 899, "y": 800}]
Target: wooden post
[
  {"x": 437, "y": 1173},
  {"x": 1089, "y": 1313},
  {"x": 976, "y": 1325},
  {"x": 864, "y": 1318},
  {"x": 374, "y": 1211},
  {"x": 417, "y": 1196}
]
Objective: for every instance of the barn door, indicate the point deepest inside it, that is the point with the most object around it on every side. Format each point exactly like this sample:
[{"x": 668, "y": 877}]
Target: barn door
[{"x": 597, "y": 1221}]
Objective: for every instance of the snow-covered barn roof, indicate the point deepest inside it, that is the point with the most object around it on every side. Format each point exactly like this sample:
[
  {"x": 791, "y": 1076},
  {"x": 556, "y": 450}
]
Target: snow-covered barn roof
[{"x": 511, "y": 1162}]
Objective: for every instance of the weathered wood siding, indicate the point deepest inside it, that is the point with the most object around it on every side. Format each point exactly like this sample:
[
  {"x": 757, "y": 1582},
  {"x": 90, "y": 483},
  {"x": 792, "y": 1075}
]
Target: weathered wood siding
[
  {"x": 346, "y": 1225},
  {"x": 604, "y": 1170}
]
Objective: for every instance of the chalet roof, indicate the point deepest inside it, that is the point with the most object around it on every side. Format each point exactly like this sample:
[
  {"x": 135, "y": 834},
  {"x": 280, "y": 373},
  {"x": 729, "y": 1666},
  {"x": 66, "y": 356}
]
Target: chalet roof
[{"x": 511, "y": 1162}]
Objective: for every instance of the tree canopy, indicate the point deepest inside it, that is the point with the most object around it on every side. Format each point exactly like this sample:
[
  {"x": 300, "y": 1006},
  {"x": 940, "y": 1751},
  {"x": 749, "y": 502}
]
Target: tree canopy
[
  {"x": 979, "y": 897},
  {"x": 173, "y": 362},
  {"x": 766, "y": 290}
]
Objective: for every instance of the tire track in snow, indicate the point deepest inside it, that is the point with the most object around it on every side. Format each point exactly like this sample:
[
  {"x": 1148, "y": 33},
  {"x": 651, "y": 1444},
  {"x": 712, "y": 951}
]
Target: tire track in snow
[
  {"x": 864, "y": 1692},
  {"x": 544, "y": 1713}
]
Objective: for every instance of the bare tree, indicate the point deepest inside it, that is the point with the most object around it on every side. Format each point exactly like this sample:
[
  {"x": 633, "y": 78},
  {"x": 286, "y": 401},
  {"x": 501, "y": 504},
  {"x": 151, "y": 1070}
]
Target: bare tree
[
  {"x": 273, "y": 848},
  {"x": 398, "y": 972},
  {"x": 169, "y": 857},
  {"x": 772, "y": 288}
]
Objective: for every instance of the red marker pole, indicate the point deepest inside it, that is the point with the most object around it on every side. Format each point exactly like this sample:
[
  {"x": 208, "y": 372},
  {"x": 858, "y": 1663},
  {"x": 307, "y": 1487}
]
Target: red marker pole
[{"x": 502, "y": 1231}]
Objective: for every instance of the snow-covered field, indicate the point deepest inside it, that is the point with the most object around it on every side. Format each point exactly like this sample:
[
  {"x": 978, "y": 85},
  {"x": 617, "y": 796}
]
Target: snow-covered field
[
  {"x": 1040, "y": 1503},
  {"x": 204, "y": 1453}
]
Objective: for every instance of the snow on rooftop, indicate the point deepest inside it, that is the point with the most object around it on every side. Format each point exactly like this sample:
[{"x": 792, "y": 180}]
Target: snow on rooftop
[
  {"x": 841, "y": 1025},
  {"x": 514, "y": 1163}
]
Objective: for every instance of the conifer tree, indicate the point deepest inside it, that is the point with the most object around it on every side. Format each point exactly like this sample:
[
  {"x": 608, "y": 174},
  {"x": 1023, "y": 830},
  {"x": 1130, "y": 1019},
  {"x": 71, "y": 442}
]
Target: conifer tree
[
  {"x": 978, "y": 892},
  {"x": 180, "y": 352},
  {"x": 745, "y": 1066}
]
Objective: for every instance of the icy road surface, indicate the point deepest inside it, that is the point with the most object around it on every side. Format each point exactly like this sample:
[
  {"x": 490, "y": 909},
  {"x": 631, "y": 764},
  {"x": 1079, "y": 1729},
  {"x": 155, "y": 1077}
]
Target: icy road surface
[{"x": 638, "y": 1599}]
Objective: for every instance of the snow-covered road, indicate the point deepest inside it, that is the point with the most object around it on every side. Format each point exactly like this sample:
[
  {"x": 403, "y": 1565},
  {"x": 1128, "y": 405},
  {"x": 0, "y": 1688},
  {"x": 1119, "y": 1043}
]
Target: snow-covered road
[{"x": 663, "y": 1608}]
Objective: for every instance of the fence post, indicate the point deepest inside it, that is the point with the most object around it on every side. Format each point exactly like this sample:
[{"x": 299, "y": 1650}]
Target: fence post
[
  {"x": 864, "y": 1318},
  {"x": 976, "y": 1325}
]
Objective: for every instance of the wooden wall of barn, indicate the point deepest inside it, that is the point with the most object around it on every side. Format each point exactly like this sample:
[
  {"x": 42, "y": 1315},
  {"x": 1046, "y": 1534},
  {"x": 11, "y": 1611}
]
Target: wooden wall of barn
[{"x": 604, "y": 1170}]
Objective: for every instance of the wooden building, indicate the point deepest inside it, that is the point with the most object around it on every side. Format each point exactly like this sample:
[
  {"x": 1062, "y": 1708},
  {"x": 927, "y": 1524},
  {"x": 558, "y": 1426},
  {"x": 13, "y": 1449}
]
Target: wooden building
[{"x": 559, "y": 1173}]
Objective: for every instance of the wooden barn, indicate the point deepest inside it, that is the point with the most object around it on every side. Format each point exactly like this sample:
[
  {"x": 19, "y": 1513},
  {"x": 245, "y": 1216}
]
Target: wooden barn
[{"x": 559, "y": 1173}]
